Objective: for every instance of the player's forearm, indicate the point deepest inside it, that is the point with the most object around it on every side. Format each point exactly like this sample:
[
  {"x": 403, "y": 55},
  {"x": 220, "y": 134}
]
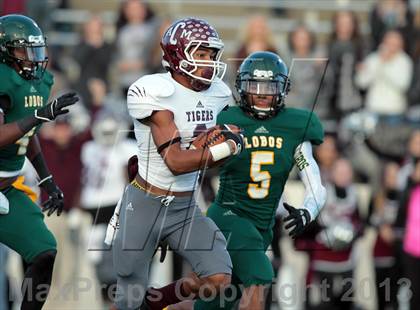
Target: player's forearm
[
  {"x": 34, "y": 154},
  {"x": 10, "y": 133},
  {"x": 185, "y": 161},
  {"x": 315, "y": 192}
]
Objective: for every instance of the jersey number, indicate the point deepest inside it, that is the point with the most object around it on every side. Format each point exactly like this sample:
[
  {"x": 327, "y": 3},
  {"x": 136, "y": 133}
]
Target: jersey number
[
  {"x": 24, "y": 141},
  {"x": 258, "y": 158}
]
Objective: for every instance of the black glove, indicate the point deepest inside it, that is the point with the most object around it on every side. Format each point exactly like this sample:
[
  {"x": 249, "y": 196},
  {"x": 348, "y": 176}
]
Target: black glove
[
  {"x": 237, "y": 138},
  {"x": 299, "y": 219},
  {"x": 56, "y": 107},
  {"x": 55, "y": 199}
]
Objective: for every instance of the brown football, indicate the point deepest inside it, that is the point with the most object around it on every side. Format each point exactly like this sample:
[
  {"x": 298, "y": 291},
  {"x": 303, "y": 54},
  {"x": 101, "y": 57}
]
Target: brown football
[{"x": 211, "y": 136}]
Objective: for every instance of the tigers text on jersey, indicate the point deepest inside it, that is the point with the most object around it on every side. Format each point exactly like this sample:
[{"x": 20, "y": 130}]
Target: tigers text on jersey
[
  {"x": 252, "y": 183},
  {"x": 25, "y": 97},
  {"x": 193, "y": 111},
  {"x": 104, "y": 172}
]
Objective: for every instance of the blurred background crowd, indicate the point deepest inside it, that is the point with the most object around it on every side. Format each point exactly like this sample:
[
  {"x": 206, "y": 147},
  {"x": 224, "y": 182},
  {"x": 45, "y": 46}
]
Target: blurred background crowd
[{"x": 355, "y": 63}]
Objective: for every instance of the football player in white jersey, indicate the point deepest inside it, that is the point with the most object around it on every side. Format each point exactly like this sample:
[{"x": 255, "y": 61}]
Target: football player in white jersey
[
  {"x": 168, "y": 111},
  {"x": 104, "y": 160}
]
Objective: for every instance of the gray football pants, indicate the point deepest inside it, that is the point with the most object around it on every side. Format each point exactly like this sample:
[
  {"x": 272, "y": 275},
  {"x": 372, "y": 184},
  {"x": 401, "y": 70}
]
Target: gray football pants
[{"x": 146, "y": 219}]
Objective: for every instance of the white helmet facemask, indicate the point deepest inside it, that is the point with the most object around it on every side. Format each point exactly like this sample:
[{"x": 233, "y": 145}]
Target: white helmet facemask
[{"x": 190, "y": 65}]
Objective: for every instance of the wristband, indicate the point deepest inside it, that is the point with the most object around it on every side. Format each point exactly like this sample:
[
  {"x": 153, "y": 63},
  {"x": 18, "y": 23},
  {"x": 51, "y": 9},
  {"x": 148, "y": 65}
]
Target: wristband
[
  {"x": 220, "y": 151},
  {"x": 44, "y": 179}
]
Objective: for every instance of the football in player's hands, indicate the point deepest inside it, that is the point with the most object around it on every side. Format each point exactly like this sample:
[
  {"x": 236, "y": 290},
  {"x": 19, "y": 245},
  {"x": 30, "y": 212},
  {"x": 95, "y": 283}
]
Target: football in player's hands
[{"x": 213, "y": 136}]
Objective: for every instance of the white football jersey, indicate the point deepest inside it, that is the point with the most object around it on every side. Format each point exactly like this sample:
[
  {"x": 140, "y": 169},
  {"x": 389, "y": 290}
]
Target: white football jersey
[
  {"x": 104, "y": 172},
  {"x": 192, "y": 111}
]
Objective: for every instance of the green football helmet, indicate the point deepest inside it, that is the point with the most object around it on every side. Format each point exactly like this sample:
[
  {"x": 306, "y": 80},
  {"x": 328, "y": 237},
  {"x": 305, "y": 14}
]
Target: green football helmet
[
  {"x": 23, "y": 46},
  {"x": 262, "y": 74}
]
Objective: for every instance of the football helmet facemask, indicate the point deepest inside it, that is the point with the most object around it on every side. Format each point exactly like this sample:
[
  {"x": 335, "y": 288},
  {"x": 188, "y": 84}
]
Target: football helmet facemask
[
  {"x": 265, "y": 75},
  {"x": 23, "y": 46},
  {"x": 179, "y": 44},
  {"x": 105, "y": 129}
]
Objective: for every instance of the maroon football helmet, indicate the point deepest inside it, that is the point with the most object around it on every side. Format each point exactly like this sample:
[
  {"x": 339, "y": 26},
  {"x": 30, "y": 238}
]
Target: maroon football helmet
[{"x": 179, "y": 43}]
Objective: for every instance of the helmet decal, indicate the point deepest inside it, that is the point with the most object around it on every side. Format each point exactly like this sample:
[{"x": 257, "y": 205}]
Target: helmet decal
[
  {"x": 184, "y": 34},
  {"x": 36, "y": 39},
  {"x": 263, "y": 73}
]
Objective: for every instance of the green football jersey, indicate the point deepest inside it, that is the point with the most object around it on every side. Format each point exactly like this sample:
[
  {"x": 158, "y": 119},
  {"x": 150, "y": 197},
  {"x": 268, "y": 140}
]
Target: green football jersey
[
  {"x": 25, "y": 96},
  {"x": 252, "y": 183}
]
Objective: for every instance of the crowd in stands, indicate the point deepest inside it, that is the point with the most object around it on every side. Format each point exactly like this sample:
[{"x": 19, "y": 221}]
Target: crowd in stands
[{"x": 349, "y": 78}]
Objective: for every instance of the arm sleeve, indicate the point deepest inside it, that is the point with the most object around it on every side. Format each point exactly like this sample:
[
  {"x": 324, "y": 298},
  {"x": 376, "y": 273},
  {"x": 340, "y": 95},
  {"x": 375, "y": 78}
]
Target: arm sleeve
[
  {"x": 141, "y": 103},
  {"x": 315, "y": 192}
]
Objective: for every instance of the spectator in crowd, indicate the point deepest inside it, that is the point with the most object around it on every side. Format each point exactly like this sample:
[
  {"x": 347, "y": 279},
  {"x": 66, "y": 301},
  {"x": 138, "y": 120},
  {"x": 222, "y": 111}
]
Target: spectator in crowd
[
  {"x": 386, "y": 75},
  {"x": 156, "y": 57},
  {"x": 326, "y": 154},
  {"x": 382, "y": 215},
  {"x": 123, "y": 19},
  {"x": 330, "y": 241},
  {"x": 392, "y": 15},
  {"x": 13, "y": 7},
  {"x": 61, "y": 81},
  {"x": 94, "y": 56},
  {"x": 402, "y": 234},
  {"x": 134, "y": 35},
  {"x": 40, "y": 11},
  {"x": 257, "y": 37},
  {"x": 305, "y": 68},
  {"x": 413, "y": 155},
  {"x": 104, "y": 162},
  {"x": 62, "y": 146},
  {"x": 339, "y": 224},
  {"x": 409, "y": 218},
  {"x": 97, "y": 93},
  {"x": 414, "y": 90},
  {"x": 345, "y": 51}
]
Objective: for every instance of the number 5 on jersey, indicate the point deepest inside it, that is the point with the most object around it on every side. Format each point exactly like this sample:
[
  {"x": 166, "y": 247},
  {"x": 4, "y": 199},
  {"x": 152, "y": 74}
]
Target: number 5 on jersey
[{"x": 261, "y": 190}]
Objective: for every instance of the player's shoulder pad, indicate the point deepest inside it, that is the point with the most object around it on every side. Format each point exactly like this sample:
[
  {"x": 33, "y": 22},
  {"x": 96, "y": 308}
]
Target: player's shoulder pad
[
  {"x": 9, "y": 79},
  {"x": 228, "y": 115},
  {"x": 300, "y": 114},
  {"x": 220, "y": 89},
  {"x": 309, "y": 123},
  {"x": 153, "y": 86}
]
